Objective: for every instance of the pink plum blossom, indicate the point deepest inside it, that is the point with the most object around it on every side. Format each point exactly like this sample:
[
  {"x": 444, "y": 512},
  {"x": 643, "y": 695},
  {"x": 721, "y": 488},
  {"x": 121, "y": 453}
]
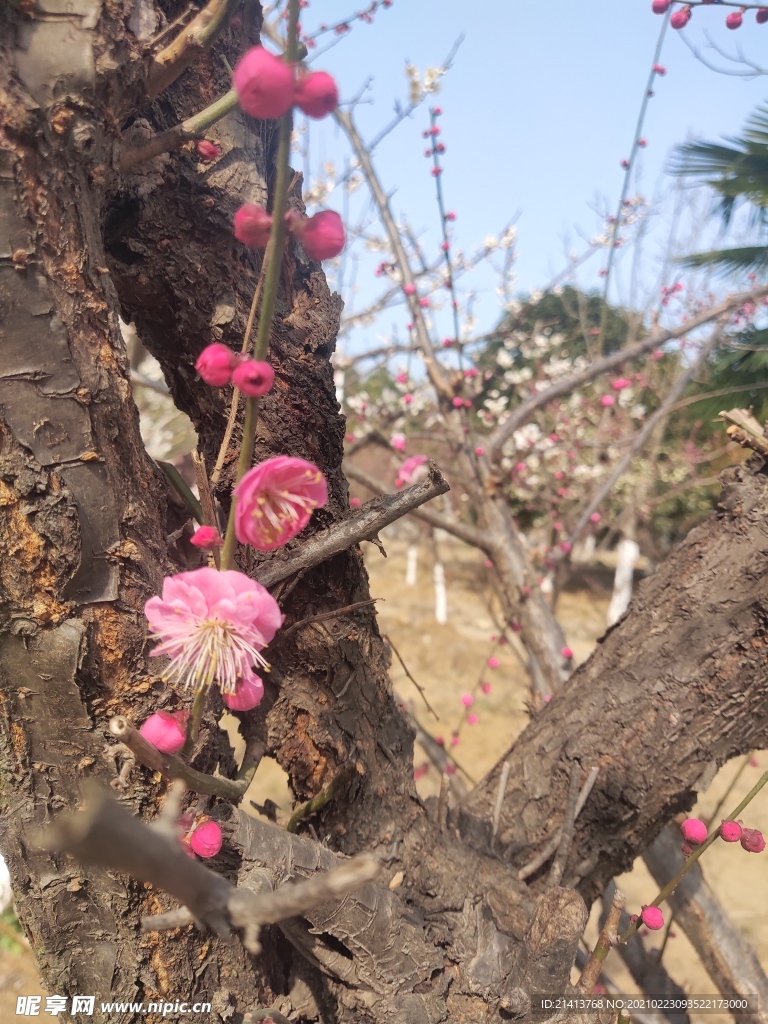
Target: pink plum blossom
[
  {"x": 730, "y": 831},
  {"x": 166, "y": 731},
  {"x": 467, "y": 700},
  {"x": 208, "y": 150},
  {"x": 264, "y": 84},
  {"x": 216, "y": 364},
  {"x": 607, "y": 400},
  {"x": 207, "y": 538},
  {"x": 252, "y": 226},
  {"x": 693, "y": 831},
  {"x": 254, "y": 378},
  {"x": 213, "y": 626},
  {"x": 206, "y": 839},
  {"x": 472, "y": 719},
  {"x": 398, "y": 442},
  {"x": 411, "y": 470},
  {"x": 317, "y": 94},
  {"x": 275, "y": 501},
  {"x": 322, "y": 235},
  {"x": 652, "y": 918},
  {"x": 248, "y": 694},
  {"x": 567, "y": 652}
]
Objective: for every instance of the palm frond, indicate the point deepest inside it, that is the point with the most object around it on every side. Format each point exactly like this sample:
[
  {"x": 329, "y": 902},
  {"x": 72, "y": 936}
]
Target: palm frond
[{"x": 726, "y": 261}]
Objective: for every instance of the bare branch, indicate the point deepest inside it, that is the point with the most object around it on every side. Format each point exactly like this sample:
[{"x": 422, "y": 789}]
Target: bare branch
[
  {"x": 362, "y": 525},
  {"x": 566, "y": 832},
  {"x": 607, "y": 940},
  {"x": 469, "y": 534},
  {"x": 193, "y": 40}
]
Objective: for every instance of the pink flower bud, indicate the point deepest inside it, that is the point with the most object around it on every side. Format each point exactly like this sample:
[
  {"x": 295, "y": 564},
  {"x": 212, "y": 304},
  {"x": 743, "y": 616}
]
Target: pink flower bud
[
  {"x": 488, "y": 563},
  {"x": 402, "y": 378},
  {"x": 458, "y": 402},
  {"x": 566, "y": 652},
  {"x": 762, "y": 15},
  {"x": 208, "y": 150},
  {"x": 207, "y": 538},
  {"x": 252, "y": 226},
  {"x": 607, "y": 400},
  {"x": 661, "y": 6},
  {"x": 752, "y": 840},
  {"x": 485, "y": 687},
  {"x": 660, "y": 69},
  {"x": 354, "y": 502},
  {"x": 215, "y": 364},
  {"x": 479, "y": 451},
  {"x": 166, "y": 731},
  {"x": 734, "y": 20},
  {"x": 410, "y": 288},
  {"x": 730, "y": 831},
  {"x": 253, "y": 378},
  {"x": 595, "y": 517},
  {"x": 686, "y": 849},
  {"x": 693, "y": 831},
  {"x": 317, "y": 94},
  {"x": 652, "y": 918},
  {"x": 248, "y": 694},
  {"x": 493, "y": 663},
  {"x": 206, "y": 840},
  {"x": 680, "y": 18},
  {"x": 322, "y": 235},
  {"x": 565, "y": 546},
  {"x": 467, "y": 700},
  {"x": 424, "y": 302},
  {"x": 472, "y": 719},
  {"x": 264, "y": 84}
]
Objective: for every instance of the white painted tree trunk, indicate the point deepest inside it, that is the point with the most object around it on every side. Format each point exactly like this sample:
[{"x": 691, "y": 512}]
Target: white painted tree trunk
[
  {"x": 627, "y": 553},
  {"x": 441, "y": 596},
  {"x": 411, "y": 560}
]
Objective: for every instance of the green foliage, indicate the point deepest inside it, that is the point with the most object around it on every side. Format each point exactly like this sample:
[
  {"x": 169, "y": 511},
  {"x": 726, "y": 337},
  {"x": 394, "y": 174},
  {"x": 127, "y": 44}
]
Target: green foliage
[
  {"x": 739, "y": 175},
  {"x": 10, "y": 925},
  {"x": 740, "y": 367}
]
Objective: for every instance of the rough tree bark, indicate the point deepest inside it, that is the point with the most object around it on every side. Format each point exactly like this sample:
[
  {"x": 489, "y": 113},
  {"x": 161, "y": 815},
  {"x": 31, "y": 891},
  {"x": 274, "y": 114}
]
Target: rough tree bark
[{"x": 84, "y": 543}]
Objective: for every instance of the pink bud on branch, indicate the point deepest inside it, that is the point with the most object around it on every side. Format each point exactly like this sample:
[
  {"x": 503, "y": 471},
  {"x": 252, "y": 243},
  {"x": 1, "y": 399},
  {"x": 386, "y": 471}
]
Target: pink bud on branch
[
  {"x": 264, "y": 84},
  {"x": 252, "y": 226},
  {"x": 317, "y": 94},
  {"x": 216, "y": 364}
]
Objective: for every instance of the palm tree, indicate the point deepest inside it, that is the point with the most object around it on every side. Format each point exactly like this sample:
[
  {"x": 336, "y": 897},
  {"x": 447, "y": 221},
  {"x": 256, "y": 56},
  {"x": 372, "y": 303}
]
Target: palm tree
[{"x": 738, "y": 172}]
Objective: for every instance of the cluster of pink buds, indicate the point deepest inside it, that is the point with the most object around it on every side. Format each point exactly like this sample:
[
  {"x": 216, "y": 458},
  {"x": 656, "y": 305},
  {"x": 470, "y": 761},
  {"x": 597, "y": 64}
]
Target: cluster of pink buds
[
  {"x": 322, "y": 235},
  {"x": 694, "y": 833},
  {"x": 668, "y": 291},
  {"x": 267, "y": 87},
  {"x": 219, "y": 366},
  {"x": 681, "y": 17}
]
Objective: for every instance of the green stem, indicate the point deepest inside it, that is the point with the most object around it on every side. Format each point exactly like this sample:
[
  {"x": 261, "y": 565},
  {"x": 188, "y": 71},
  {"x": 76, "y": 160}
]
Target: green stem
[
  {"x": 271, "y": 284},
  {"x": 625, "y": 183},
  {"x": 193, "y": 726},
  {"x": 206, "y": 118},
  {"x": 670, "y": 887},
  {"x": 176, "y": 481}
]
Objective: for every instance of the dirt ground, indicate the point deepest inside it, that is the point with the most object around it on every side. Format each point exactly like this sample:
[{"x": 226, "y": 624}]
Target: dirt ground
[{"x": 450, "y": 660}]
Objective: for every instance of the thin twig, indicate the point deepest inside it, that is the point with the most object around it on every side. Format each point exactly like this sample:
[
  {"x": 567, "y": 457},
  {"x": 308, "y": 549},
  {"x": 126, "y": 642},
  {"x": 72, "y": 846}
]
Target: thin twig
[
  {"x": 193, "y": 40},
  {"x": 320, "y": 799},
  {"x": 177, "y": 918},
  {"x": 566, "y": 832},
  {"x": 172, "y": 767},
  {"x": 503, "y": 779},
  {"x": 469, "y": 534},
  {"x": 325, "y": 616},
  {"x": 442, "y": 801},
  {"x": 362, "y": 525},
  {"x": 417, "y": 685},
  {"x": 607, "y": 940}
]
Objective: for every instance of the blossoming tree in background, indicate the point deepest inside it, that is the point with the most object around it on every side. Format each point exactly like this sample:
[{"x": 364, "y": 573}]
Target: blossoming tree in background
[{"x": 381, "y": 908}]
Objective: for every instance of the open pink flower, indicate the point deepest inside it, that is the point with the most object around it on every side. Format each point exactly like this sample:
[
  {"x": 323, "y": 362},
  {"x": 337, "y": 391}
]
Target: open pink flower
[
  {"x": 411, "y": 470},
  {"x": 275, "y": 501},
  {"x": 212, "y": 625},
  {"x": 248, "y": 694}
]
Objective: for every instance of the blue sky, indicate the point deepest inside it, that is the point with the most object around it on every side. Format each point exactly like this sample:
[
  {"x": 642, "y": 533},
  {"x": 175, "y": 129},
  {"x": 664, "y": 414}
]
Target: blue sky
[{"x": 539, "y": 110}]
